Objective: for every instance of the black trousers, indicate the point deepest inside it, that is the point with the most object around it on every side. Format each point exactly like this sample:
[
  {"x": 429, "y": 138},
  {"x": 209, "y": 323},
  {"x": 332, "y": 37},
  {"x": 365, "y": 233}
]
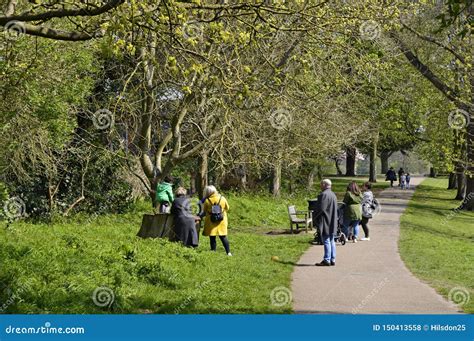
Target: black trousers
[
  {"x": 365, "y": 227},
  {"x": 224, "y": 241}
]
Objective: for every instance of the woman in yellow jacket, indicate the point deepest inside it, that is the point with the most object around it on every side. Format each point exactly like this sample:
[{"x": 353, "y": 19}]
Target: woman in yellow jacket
[{"x": 215, "y": 228}]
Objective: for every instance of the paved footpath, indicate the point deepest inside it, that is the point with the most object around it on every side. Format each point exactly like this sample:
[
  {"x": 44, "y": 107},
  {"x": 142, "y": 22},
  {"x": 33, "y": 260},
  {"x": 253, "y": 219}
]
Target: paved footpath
[{"x": 369, "y": 276}]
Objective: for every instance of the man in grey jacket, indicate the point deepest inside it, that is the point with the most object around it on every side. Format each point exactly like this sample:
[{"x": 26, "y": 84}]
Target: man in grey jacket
[{"x": 326, "y": 222}]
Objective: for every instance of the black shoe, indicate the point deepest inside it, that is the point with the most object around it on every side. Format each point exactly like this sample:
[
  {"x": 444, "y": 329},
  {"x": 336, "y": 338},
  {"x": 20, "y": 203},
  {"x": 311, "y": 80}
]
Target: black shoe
[
  {"x": 333, "y": 263},
  {"x": 323, "y": 263}
]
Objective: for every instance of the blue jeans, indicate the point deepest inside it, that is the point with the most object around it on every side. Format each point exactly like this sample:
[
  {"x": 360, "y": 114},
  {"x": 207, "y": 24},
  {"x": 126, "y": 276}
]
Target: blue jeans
[
  {"x": 329, "y": 248},
  {"x": 351, "y": 227}
]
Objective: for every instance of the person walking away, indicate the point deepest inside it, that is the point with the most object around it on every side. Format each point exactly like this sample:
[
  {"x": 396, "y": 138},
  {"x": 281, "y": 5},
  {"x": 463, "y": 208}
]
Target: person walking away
[
  {"x": 164, "y": 194},
  {"x": 326, "y": 221},
  {"x": 184, "y": 221},
  {"x": 352, "y": 211},
  {"x": 400, "y": 172},
  {"x": 407, "y": 179},
  {"x": 215, "y": 219},
  {"x": 391, "y": 176},
  {"x": 403, "y": 179},
  {"x": 369, "y": 204}
]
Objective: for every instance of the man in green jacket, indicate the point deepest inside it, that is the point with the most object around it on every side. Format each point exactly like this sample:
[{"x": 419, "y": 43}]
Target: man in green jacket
[{"x": 164, "y": 194}]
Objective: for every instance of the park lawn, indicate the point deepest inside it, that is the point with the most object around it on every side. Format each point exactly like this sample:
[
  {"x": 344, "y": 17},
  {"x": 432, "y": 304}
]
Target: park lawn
[
  {"x": 55, "y": 268},
  {"x": 437, "y": 243}
]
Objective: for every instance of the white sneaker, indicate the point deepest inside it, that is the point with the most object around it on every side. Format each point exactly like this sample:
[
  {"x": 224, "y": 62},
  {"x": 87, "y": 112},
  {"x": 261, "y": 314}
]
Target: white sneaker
[
  {"x": 229, "y": 254},
  {"x": 354, "y": 240},
  {"x": 366, "y": 239}
]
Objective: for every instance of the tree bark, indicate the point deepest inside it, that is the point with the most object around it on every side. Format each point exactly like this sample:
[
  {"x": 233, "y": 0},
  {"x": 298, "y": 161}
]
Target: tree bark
[
  {"x": 384, "y": 156},
  {"x": 432, "y": 172},
  {"x": 461, "y": 184},
  {"x": 202, "y": 176},
  {"x": 372, "y": 165},
  {"x": 350, "y": 161},
  {"x": 452, "y": 183},
  {"x": 192, "y": 182},
  {"x": 276, "y": 179},
  {"x": 312, "y": 173},
  {"x": 338, "y": 166}
]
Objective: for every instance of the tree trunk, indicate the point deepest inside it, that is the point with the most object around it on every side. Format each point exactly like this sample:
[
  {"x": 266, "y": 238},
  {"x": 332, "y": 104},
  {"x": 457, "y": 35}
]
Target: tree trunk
[
  {"x": 276, "y": 179},
  {"x": 192, "y": 182},
  {"x": 291, "y": 186},
  {"x": 312, "y": 173},
  {"x": 384, "y": 156},
  {"x": 338, "y": 166},
  {"x": 432, "y": 172},
  {"x": 202, "y": 176},
  {"x": 461, "y": 184},
  {"x": 468, "y": 203},
  {"x": 350, "y": 161},
  {"x": 373, "y": 159},
  {"x": 452, "y": 184}
]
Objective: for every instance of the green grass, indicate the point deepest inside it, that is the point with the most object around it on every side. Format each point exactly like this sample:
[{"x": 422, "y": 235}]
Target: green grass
[
  {"x": 437, "y": 243},
  {"x": 55, "y": 268}
]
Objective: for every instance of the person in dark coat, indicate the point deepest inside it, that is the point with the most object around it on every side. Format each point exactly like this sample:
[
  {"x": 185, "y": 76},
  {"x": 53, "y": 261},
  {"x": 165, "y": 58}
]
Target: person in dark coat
[
  {"x": 400, "y": 173},
  {"x": 391, "y": 176},
  {"x": 184, "y": 220},
  {"x": 326, "y": 221}
]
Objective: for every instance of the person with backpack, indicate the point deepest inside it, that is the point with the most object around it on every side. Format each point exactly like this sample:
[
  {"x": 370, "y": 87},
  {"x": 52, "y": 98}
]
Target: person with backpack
[
  {"x": 164, "y": 194},
  {"x": 407, "y": 179},
  {"x": 369, "y": 204},
  {"x": 352, "y": 211},
  {"x": 215, "y": 218}
]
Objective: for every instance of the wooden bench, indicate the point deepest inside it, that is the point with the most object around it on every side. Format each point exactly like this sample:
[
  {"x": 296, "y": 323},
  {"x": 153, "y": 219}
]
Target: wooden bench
[{"x": 294, "y": 220}]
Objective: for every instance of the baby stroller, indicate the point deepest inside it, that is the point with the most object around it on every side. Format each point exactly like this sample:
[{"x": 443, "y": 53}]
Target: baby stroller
[{"x": 340, "y": 236}]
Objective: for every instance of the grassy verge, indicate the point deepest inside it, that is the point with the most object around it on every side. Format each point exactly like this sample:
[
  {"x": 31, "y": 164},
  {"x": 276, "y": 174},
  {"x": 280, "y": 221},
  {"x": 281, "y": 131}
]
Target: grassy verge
[
  {"x": 437, "y": 243},
  {"x": 56, "y": 268}
]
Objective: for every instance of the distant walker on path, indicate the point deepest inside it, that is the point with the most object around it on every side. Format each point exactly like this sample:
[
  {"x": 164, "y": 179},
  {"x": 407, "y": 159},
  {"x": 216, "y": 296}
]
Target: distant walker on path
[
  {"x": 326, "y": 221},
  {"x": 391, "y": 176}
]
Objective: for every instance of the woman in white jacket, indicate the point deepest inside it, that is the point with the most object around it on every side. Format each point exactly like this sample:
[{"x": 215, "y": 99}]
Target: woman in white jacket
[{"x": 369, "y": 203}]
